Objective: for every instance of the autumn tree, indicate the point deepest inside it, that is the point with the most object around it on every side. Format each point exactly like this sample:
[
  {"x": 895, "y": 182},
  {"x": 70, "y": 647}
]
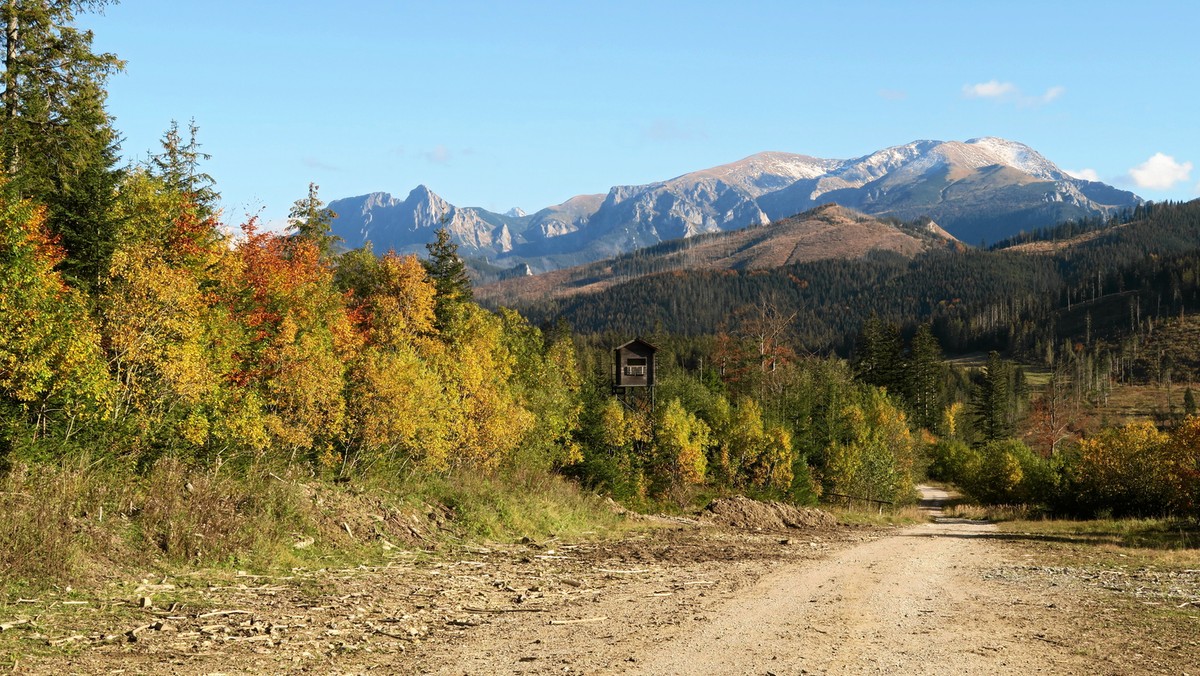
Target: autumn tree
[
  {"x": 168, "y": 345},
  {"x": 52, "y": 377},
  {"x": 875, "y": 455},
  {"x": 547, "y": 382},
  {"x": 1122, "y": 470},
  {"x": 681, "y": 439},
  {"x": 299, "y": 337},
  {"x": 487, "y": 421},
  {"x": 395, "y": 399}
]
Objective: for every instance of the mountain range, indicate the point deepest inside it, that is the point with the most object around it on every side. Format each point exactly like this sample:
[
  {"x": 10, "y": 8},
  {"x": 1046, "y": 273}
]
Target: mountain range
[
  {"x": 825, "y": 232},
  {"x": 984, "y": 189}
]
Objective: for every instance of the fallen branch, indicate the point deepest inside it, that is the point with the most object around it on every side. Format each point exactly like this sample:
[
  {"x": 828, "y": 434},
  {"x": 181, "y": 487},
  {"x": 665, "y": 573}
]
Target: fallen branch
[
  {"x": 623, "y": 572},
  {"x": 222, "y": 613},
  {"x": 5, "y": 626},
  {"x": 132, "y": 633},
  {"x": 469, "y": 609},
  {"x": 582, "y": 621}
]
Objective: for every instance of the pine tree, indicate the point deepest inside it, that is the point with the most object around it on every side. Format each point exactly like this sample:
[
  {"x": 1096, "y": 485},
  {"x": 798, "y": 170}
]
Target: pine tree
[
  {"x": 449, "y": 275},
  {"x": 310, "y": 220},
  {"x": 877, "y": 354},
  {"x": 57, "y": 144},
  {"x": 178, "y": 167},
  {"x": 926, "y": 378},
  {"x": 994, "y": 398}
]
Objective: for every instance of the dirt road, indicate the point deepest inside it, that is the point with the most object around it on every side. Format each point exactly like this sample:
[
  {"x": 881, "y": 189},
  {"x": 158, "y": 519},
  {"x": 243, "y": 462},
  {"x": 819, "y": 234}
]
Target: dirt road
[
  {"x": 692, "y": 597},
  {"x": 915, "y": 601},
  {"x": 910, "y": 603}
]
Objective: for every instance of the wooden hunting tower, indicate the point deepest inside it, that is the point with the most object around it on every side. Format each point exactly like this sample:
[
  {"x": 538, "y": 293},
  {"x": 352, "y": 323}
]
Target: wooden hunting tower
[{"x": 633, "y": 366}]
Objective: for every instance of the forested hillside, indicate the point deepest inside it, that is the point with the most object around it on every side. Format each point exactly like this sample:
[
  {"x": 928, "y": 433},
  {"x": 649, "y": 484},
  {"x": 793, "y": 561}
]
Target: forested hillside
[{"x": 1002, "y": 298}]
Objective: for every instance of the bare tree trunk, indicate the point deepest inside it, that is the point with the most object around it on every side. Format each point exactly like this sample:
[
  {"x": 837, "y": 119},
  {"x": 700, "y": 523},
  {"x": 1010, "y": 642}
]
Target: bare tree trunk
[{"x": 12, "y": 37}]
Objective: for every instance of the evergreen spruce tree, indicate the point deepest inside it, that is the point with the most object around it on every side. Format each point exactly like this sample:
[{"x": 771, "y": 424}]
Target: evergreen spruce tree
[
  {"x": 994, "y": 398},
  {"x": 878, "y": 357},
  {"x": 310, "y": 220},
  {"x": 178, "y": 167},
  {"x": 57, "y": 143},
  {"x": 449, "y": 276},
  {"x": 926, "y": 378},
  {"x": 1189, "y": 401}
]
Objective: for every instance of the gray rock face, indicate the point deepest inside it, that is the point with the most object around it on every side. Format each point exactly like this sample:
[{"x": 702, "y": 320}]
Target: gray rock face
[{"x": 981, "y": 189}]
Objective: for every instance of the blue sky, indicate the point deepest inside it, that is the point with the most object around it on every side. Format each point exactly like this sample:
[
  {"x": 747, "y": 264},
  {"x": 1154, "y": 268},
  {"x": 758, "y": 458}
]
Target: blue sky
[{"x": 502, "y": 104}]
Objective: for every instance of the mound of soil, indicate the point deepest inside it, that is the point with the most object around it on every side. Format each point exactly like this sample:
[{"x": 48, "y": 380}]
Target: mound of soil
[{"x": 744, "y": 513}]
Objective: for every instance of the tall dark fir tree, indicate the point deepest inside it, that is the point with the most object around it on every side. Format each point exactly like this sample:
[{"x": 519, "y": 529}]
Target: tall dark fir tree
[
  {"x": 57, "y": 143},
  {"x": 449, "y": 276},
  {"x": 311, "y": 221}
]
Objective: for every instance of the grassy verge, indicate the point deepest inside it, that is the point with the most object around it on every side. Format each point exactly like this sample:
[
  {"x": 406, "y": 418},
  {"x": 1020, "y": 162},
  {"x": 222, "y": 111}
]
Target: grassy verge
[
  {"x": 85, "y": 524},
  {"x": 1147, "y": 536},
  {"x": 900, "y": 516}
]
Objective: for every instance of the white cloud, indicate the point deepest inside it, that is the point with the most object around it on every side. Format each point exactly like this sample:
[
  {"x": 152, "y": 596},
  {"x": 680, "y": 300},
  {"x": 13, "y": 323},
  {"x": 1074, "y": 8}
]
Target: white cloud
[
  {"x": 993, "y": 89},
  {"x": 893, "y": 94},
  {"x": 1160, "y": 172},
  {"x": 1053, "y": 93},
  {"x": 1085, "y": 174},
  {"x": 1010, "y": 93}
]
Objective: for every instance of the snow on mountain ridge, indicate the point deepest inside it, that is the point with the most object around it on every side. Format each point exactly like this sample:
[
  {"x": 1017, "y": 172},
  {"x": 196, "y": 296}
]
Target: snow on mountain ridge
[{"x": 1018, "y": 155}]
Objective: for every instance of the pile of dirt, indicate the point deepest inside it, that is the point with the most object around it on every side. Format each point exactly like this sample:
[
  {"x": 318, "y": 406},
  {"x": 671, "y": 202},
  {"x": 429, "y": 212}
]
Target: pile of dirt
[{"x": 744, "y": 513}]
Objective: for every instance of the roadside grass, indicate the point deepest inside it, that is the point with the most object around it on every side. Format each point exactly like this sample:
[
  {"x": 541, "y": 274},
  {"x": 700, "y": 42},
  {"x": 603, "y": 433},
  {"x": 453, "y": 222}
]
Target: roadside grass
[
  {"x": 907, "y": 515},
  {"x": 1167, "y": 535},
  {"x": 520, "y": 504},
  {"x": 963, "y": 509},
  {"x": 87, "y": 524},
  {"x": 82, "y": 545}
]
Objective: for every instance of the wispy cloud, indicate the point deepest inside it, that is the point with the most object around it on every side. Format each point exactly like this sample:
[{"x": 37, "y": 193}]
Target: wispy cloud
[
  {"x": 1085, "y": 174},
  {"x": 1008, "y": 92},
  {"x": 1160, "y": 172},
  {"x": 993, "y": 89},
  {"x": 1053, "y": 93},
  {"x": 893, "y": 94},
  {"x": 314, "y": 163},
  {"x": 666, "y": 130},
  {"x": 439, "y": 155}
]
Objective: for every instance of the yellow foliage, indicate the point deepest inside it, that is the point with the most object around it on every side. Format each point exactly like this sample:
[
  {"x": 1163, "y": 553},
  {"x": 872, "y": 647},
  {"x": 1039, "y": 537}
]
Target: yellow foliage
[
  {"x": 396, "y": 408},
  {"x": 952, "y": 419},
  {"x": 774, "y": 469},
  {"x": 682, "y": 439},
  {"x": 50, "y": 357},
  {"x": 485, "y": 422}
]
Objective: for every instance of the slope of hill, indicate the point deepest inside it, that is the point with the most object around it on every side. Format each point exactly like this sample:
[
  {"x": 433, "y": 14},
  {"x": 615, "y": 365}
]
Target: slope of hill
[
  {"x": 1103, "y": 283},
  {"x": 829, "y": 231},
  {"x": 982, "y": 189}
]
